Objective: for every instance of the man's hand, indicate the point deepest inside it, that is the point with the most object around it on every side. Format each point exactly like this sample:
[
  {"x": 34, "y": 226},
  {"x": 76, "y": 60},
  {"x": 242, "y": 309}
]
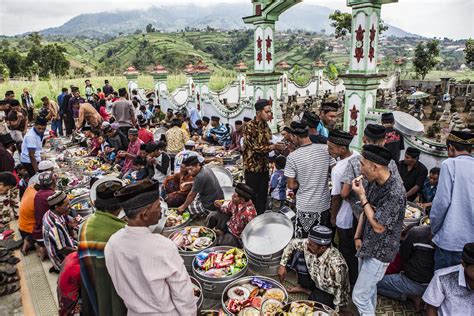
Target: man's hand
[
  {"x": 218, "y": 204},
  {"x": 218, "y": 232},
  {"x": 181, "y": 209},
  {"x": 357, "y": 187},
  {"x": 282, "y": 273},
  {"x": 358, "y": 244},
  {"x": 333, "y": 221}
]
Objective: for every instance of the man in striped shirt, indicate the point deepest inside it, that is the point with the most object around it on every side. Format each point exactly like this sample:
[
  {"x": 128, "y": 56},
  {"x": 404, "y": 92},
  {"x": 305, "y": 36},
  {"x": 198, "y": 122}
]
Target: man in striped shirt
[
  {"x": 218, "y": 134},
  {"x": 56, "y": 235},
  {"x": 307, "y": 169}
]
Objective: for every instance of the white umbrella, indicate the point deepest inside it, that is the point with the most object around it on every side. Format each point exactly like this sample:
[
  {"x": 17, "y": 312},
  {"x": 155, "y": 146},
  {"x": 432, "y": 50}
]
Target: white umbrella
[{"x": 418, "y": 95}]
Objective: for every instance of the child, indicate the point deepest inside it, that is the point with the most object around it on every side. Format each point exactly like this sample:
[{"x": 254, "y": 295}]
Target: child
[
  {"x": 105, "y": 152},
  {"x": 95, "y": 144},
  {"x": 23, "y": 177},
  {"x": 278, "y": 184},
  {"x": 144, "y": 134}
]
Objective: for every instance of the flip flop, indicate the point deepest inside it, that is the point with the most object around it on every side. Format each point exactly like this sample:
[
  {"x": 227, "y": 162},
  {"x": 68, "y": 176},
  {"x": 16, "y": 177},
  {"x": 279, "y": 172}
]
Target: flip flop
[
  {"x": 5, "y": 279},
  {"x": 9, "y": 289},
  {"x": 6, "y": 234},
  {"x": 11, "y": 244},
  {"x": 4, "y": 253},
  {"x": 13, "y": 260},
  {"x": 9, "y": 270}
]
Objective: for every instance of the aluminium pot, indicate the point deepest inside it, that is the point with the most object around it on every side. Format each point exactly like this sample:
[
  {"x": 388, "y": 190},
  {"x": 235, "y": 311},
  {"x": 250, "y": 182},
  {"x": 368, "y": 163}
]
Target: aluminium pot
[
  {"x": 169, "y": 230},
  {"x": 188, "y": 256},
  {"x": 267, "y": 235},
  {"x": 213, "y": 287},
  {"x": 84, "y": 212},
  {"x": 263, "y": 267},
  {"x": 246, "y": 280},
  {"x": 201, "y": 296}
]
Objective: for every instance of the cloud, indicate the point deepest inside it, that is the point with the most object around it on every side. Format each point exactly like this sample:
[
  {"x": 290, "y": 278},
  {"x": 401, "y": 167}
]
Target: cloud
[{"x": 453, "y": 18}]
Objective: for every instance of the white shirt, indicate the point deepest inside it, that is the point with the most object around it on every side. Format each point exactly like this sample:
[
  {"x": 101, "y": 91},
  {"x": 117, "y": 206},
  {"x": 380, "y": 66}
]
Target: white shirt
[
  {"x": 344, "y": 216},
  {"x": 449, "y": 292},
  {"x": 31, "y": 141},
  {"x": 148, "y": 273}
]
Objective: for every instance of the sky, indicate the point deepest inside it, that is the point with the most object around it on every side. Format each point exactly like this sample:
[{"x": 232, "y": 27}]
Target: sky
[{"x": 430, "y": 18}]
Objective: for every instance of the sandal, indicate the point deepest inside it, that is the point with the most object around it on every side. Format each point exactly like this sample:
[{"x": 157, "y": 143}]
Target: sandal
[
  {"x": 4, "y": 253},
  {"x": 5, "y": 279},
  {"x": 13, "y": 260},
  {"x": 11, "y": 244},
  {"x": 9, "y": 289},
  {"x": 6, "y": 234},
  {"x": 9, "y": 270}
]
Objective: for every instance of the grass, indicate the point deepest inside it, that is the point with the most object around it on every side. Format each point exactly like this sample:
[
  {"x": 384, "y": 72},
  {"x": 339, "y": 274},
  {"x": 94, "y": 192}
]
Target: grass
[{"x": 52, "y": 88}]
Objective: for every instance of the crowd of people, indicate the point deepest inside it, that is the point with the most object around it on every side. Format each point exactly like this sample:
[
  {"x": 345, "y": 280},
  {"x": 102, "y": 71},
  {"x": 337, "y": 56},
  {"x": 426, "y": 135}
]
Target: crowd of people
[{"x": 350, "y": 242}]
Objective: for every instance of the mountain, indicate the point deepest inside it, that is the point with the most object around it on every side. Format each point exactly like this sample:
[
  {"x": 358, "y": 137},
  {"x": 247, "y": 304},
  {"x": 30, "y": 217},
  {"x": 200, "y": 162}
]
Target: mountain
[{"x": 219, "y": 16}]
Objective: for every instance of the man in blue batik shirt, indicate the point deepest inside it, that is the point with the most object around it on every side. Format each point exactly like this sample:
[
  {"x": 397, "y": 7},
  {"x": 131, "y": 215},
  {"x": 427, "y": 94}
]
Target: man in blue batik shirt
[{"x": 452, "y": 211}]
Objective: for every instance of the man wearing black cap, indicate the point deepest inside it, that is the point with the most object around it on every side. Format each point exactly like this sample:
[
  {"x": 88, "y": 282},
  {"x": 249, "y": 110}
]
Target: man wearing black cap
[
  {"x": 146, "y": 269},
  {"x": 94, "y": 234},
  {"x": 377, "y": 238},
  {"x": 312, "y": 120},
  {"x": 412, "y": 172},
  {"x": 307, "y": 170},
  {"x": 323, "y": 275},
  {"x": 341, "y": 210},
  {"x": 328, "y": 116},
  {"x": 374, "y": 134},
  {"x": 257, "y": 137},
  {"x": 230, "y": 221},
  {"x": 394, "y": 141},
  {"x": 452, "y": 210},
  {"x": 32, "y": 146},
  {"x": 218, "y": 134},
  {"x": 451, "y": 291},
  {"x": 237, "y": 136},
  {"x": 57, "y": 235},
  {"x": 205, "y": 191}
]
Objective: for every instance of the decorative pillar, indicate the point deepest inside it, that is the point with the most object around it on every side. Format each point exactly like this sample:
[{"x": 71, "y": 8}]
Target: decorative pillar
[
  {"x": 264, "y": 78},
  {"x": 241, "y": 68},
  {"x": 160, "y": 75},
  {"x": 132, "y": 78},
  {"x": 284, "y": 67},
  {"x": 201, "y": 75},
  {"x": 362, "y": 80},
  {"x": 318, "y": 73}
]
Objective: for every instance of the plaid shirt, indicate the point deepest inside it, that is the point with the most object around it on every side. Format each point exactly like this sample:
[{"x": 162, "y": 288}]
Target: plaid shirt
[
  {"x": 257, "y": 136},
  {"x": 329, "y": 271},
  {"x": 241, "y": 215}
]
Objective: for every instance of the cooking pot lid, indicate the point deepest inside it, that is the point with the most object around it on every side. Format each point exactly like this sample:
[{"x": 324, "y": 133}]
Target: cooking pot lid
[
  {"x": 267, "y": 234},
  {"x": 223, "y": 176},
  {"x": 407, "y": 123}
]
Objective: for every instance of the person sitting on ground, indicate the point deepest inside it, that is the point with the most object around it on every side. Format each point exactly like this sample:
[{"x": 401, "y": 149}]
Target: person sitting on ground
[
  {"x": 94, "y": 233},
  {"x": 144, "y": 134},
  {"x": 115, "y": 138},
  {"x": 159, "y": 160},
  {"x": 230, "y": 220},
  {"x": 69, "y": 286},
  {"x": 324, "y": 277},
  {"x": 429, "y": 189},
  {"x": 218, "y": 134},
  {"x": 177, "y": 186},
  {"x": 205, "y": 191},
  {"x": 7, "y": 183},
  {"x": 237, "y": 136},
  {"x": 278, "y": 184},
  {"x": 145, "y": 113},
  {"x": 199, "y": 127},
  {"x": 189, "y": 149},
  {"x": 158, "y": 115},
  {"x": 132, "y": 151},
  {"x": 146, "y": 269},
  {"x": 412, "y": 172},
  {"x": 57, "y": 234},
  {"x": 103, "y": 110},
  {"x": 417, "y": 256},
  {"x": 46, "y": 187},
  {"x": 450, "y": 292},
  {"x": 95, "y": 145}
]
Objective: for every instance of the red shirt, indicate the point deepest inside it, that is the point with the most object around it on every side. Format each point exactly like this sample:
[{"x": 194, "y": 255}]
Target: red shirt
[
  {"x": 103, "y": 113},
  {"x": 241, "y": 215},
  {"x": 69, "y": 285},
  {"x": 145, "y": 135}
]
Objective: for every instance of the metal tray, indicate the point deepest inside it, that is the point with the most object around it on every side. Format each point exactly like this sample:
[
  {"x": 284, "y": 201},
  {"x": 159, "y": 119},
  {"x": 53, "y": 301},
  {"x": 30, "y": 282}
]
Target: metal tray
[
  {"x": 223, "y": 176},
  {"x": 267, "y": 235}
]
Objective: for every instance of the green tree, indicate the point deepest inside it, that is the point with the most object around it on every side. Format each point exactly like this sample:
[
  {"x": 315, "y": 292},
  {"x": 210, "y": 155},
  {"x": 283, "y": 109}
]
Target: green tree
[
  {"x": 469, "y": 53},
  {"x": 426, "y": 57},
  {"x": 149, "y": 28},
  {"x": 316, "y": 50},
  {"x": 35, "y": 38},
  {"x": 342, "y": 23}
]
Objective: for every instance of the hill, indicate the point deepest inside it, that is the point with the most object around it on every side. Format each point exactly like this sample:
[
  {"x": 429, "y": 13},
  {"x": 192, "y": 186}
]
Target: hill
[{"x": 226, "y": 16}]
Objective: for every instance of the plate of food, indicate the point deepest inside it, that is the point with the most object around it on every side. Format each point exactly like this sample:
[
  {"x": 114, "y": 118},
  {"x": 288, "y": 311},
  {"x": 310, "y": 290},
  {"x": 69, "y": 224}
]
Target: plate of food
[
  {"x": 306, "y": 308},
  {"x": 174, "y": 219},
  {"x": 219, "y": 263},
  {"x": 193, "y": 238},
  {"x": 256, "y": 293}
]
